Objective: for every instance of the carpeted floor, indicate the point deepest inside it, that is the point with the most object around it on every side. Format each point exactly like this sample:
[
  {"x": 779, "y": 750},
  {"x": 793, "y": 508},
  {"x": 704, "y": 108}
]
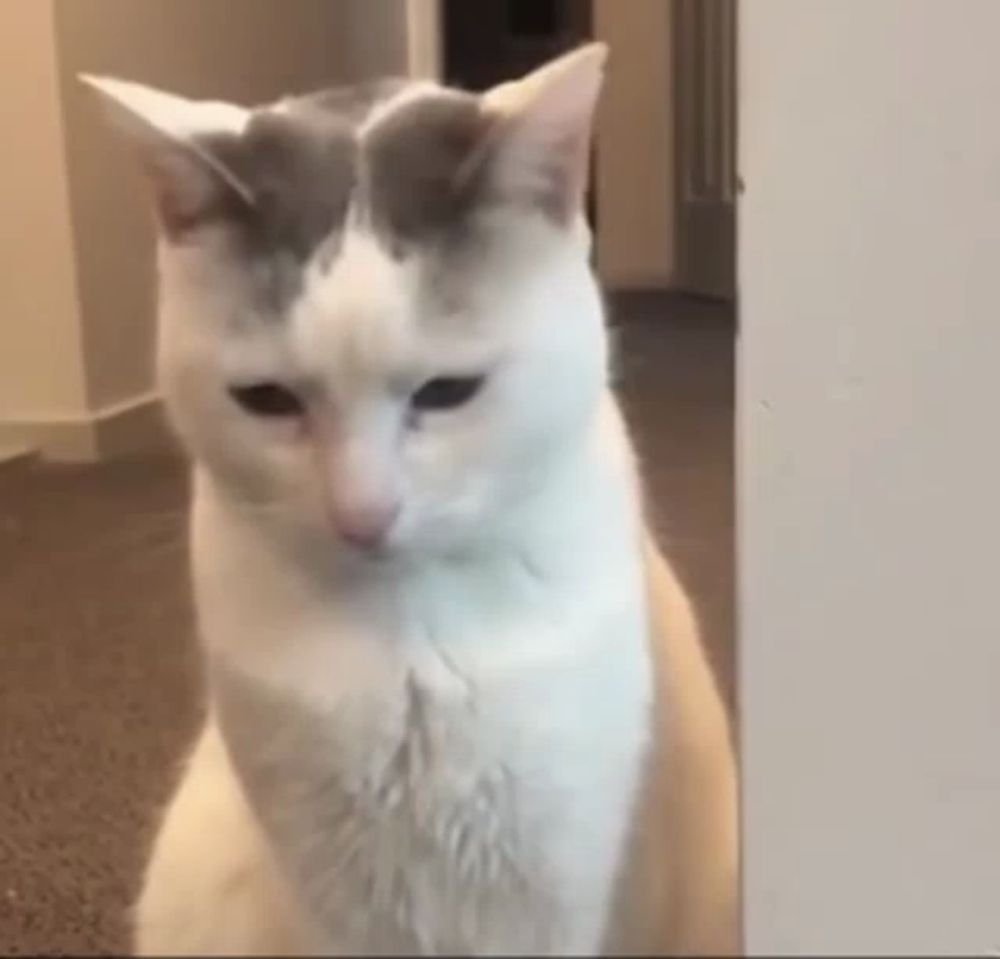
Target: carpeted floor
[{"x": 98, "y": 672}]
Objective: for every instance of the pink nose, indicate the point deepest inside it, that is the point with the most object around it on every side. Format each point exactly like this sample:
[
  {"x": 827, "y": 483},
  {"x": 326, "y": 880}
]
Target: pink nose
[{"x": 365, "y": 526}]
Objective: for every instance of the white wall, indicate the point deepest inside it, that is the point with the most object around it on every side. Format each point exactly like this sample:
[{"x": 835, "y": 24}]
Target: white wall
[{"x": 869, "y": 446}]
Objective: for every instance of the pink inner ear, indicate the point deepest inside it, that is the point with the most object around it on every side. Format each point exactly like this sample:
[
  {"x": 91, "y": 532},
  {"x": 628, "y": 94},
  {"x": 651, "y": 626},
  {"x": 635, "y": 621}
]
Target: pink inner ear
[
  {"x": 546, "y": 135},
  {"x": 547, "y": 167},
  {"x": 187, "y": 192},
  {"x": 177, "y": 196},
  {"x": 178, "y": 204}
]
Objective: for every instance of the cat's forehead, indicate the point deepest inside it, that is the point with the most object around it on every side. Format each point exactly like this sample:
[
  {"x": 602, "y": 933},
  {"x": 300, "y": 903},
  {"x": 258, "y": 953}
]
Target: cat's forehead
[
  {"x": 373, "y": 313},
  {"x": 392, "y": 158}
]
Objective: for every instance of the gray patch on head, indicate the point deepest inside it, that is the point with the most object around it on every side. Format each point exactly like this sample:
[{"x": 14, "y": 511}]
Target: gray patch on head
[
  {"x": 299, "y": 178},
  {"x": 419, "y": 176},
  {"x": 298, "y": 165},
  {"x": 352, "y": 104},
  {"x": 424, "y": 168},
  {"x": 299, "y": 174}
]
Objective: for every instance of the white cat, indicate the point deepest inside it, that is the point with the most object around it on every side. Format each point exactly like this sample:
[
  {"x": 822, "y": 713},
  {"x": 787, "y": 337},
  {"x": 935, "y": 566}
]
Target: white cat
[{"x": 458, "y": 703}]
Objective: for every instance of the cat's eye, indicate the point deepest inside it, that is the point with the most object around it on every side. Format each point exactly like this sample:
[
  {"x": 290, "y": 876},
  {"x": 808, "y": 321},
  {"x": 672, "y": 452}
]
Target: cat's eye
[
  {"x": 267, "y": 399},
  {"x": 446, "y": 392}
]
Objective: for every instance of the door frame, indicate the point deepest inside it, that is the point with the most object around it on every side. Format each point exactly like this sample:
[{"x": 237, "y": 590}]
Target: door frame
[{"x": 424, "y": 44}]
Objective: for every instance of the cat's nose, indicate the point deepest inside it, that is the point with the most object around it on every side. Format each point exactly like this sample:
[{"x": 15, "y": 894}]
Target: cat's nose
[{"x": 365, "y": 525}]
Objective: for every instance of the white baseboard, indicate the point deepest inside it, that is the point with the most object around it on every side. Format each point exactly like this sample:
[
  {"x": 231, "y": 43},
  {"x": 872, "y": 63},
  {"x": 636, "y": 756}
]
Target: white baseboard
[{"x": 131, "y": 427}]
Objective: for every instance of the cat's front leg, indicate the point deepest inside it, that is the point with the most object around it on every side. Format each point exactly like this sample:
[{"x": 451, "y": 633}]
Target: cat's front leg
[{"x": 212, "y": 887}]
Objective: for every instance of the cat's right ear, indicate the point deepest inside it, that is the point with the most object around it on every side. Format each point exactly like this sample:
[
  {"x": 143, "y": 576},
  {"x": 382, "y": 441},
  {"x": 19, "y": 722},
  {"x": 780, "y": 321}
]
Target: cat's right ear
[
  {"x": 176, "y": 142},
  {"x": 541, "y": 144}
]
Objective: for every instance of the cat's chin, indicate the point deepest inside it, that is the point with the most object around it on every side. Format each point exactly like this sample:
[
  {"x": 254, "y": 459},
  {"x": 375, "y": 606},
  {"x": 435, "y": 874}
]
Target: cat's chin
[
  {"x": 398, "y": 553},
  {"x": 400, "y": 547},
  {"x": 378, "y": 555}
]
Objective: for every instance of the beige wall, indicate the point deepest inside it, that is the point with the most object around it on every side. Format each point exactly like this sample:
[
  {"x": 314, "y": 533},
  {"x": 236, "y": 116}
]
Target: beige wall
[
  {"x": 375, "y": 37},
  {"x": 77, "y": 288},
  {"x": 869, "y": 471},
  {"x": 76, "y": 300},
  {"x": 41, "y": 369},
  {"x": 243, "y": 50},
  {"x": 635, "y": 194}
]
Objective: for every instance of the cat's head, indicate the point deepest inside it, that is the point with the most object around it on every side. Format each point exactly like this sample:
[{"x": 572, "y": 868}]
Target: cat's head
[{"x": 377, "y": 317}]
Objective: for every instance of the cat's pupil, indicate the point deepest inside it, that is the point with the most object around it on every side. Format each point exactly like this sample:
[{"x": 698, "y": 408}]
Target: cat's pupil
[
  {"x": 267, "y": 399},
  {"x": 446, "y": 392}
]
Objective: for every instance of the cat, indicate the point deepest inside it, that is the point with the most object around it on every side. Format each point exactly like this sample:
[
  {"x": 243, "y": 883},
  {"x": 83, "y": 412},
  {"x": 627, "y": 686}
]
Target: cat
[{"x": 457, "y": 699}]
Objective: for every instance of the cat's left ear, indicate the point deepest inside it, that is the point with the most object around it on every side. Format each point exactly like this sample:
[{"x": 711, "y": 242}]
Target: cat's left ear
[
  {"x": 542, "y": 140},
  {"x": 177, "y": 141}
]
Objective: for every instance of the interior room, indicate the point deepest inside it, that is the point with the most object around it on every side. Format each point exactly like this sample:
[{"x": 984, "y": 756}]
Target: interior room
[{"x": 100, "y": 678}]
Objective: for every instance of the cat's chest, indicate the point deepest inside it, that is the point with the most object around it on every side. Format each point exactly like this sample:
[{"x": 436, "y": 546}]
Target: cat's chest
[
  {"x": 423, "y": 737},
  {"x": 421, "y": 804},
  {"x": 431, "y": 694},
  {"x": 415, "y": 754},
  {"x": 381, "y": 732}
]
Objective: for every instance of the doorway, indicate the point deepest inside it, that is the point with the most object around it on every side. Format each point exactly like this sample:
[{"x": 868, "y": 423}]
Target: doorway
[{"x": 490, "y": 41}]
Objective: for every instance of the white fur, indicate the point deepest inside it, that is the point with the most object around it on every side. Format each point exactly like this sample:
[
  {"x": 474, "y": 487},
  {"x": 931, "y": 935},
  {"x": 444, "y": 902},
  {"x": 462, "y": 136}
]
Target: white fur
[
  {"x": 529, "y": 651},
  {"x": 444, "y": 749},
  {"x": 172, "y": 115}
]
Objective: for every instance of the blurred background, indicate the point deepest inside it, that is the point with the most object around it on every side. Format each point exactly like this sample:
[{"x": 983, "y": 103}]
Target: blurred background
[{"x": 98, "y": 668}]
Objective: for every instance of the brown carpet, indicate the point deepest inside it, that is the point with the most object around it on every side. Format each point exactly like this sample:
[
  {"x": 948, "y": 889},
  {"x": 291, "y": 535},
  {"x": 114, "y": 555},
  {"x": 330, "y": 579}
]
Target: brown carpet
[{"x": 98, "y": 672}]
